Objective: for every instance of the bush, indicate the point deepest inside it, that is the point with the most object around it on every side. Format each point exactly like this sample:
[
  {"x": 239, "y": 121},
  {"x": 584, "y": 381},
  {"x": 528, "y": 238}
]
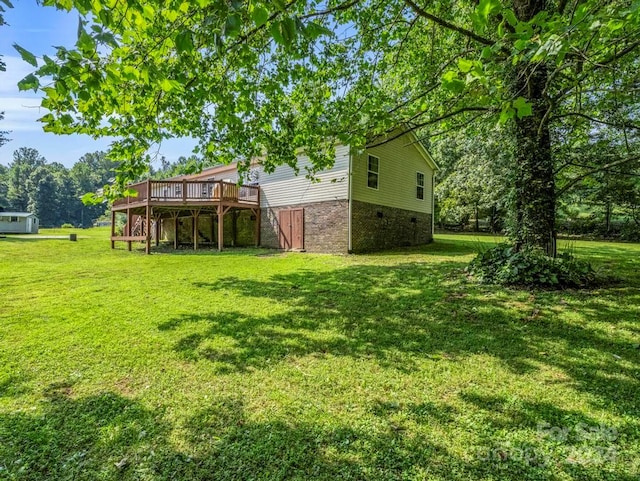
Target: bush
[
  {"x": 67, "y": 226},
  {"x": 505, "y": 265}
]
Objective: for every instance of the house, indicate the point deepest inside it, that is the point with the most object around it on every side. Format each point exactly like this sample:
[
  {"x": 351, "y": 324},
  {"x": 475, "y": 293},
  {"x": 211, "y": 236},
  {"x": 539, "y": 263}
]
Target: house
[
  {"x": 370, "y": 199},
  {"x": 18, "y": 223}
]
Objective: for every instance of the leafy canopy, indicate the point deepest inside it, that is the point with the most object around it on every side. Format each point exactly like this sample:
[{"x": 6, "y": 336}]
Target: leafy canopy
[{"x": 249, "y": 77}]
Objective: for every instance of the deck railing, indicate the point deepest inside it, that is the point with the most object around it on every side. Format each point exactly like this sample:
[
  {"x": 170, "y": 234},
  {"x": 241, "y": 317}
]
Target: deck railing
[{"x": 191, "y": 191}]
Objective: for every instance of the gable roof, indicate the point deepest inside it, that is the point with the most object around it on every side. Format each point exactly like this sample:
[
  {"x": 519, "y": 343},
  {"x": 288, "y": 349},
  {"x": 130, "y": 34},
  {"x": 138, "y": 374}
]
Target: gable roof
[
  {"x": 232, "y": 167},
  {"x": 397, "y": 134},
  {"x": 423, "y": 150}
]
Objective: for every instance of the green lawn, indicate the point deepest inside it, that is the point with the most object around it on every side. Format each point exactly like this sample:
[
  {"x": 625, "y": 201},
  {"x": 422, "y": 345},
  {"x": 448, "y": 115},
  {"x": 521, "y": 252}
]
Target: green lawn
[{"x": 251, "y": 364}]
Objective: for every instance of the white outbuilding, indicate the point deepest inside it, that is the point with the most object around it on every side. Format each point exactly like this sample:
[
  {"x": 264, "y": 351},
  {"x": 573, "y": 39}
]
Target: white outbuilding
[{"x": 18, "y": 223}]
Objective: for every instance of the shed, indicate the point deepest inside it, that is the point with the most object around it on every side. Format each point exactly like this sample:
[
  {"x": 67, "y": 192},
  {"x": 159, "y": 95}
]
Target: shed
[{"x": 18, "y": 223}]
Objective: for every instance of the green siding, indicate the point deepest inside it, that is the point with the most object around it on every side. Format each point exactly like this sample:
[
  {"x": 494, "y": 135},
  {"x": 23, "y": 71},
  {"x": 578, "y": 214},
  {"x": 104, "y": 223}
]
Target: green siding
[{"x": 400, "y": 160}]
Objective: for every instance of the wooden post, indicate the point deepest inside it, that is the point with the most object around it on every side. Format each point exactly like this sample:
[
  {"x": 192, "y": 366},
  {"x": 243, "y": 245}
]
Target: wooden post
[
  {"x": 220, "y": 226},
  {"x": 194, "y": 215},
  {"x": 113, "y": 227},
  {"x": 129, "y": 229},
  {"x": 258, "y": 220},
  {"x": 147, "y": 227},
  {"x": 158, "y": 221},
  {"x": 213, "y": 228},
  {"x": 175, "y": 229},
  {"x": 184, "y": 190},
  {"x": 234, "y": 228}
]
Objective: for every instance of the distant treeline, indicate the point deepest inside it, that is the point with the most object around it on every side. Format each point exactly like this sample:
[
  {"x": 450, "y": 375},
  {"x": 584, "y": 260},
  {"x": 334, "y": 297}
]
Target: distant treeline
[{"x": 53, "y": 192}]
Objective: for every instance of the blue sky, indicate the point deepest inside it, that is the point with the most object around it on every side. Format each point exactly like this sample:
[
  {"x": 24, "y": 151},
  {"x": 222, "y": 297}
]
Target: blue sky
[{"x": 38, "y": 29}]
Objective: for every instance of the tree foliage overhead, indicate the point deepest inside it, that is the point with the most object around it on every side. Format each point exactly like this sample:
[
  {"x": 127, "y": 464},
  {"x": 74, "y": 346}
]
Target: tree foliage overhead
[{"x": 248, "y": 77}]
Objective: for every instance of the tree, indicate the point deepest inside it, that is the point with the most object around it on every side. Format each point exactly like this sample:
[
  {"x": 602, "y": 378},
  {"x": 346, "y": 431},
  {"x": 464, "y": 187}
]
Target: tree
[
  {"x": 42, "y": 195},
  {"x": 4, "y": 203},
  {"x": 25, "y": 162},
  {"x": 253, "y": 77},
  {"x": 474, "y": 176},
  {"x": 3, "y": 133},
  {"x": 3, "y": 67},
  {"x": 91, "y": 172}
]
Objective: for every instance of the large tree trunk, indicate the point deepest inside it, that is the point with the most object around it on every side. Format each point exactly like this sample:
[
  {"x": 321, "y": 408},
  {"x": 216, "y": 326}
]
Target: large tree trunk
[{"x": 535, "y": 204}]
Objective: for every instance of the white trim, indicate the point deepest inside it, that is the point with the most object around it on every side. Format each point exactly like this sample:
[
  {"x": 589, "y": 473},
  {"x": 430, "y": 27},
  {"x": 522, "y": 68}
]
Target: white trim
[
  {"x": 377, "y": 173},
  {"x": 433, "y": 205},
  {"x": 349, "y": 199},
  {"x": 418, "y": 185}
]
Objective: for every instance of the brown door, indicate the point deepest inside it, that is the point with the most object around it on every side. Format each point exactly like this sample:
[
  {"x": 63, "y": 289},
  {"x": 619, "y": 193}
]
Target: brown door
[
  {"x": 291, "y": 229},
  {"x": 297, "y": 229}
]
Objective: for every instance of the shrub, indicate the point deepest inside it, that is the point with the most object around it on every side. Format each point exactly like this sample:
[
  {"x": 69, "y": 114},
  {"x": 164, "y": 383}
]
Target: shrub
[
  {"x": 67, "y": 226},
  {"x": 505, "y": 265}
]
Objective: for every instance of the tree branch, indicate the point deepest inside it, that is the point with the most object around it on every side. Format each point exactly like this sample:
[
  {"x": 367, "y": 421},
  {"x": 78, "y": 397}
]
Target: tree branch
[
  {"x": 413, "y": 127},
  {"x": 624, "y": 125},
  {"x": 450, "y": 26},
  {"x": 337, "y": 8},
  {"x": 575, "y": 180}
]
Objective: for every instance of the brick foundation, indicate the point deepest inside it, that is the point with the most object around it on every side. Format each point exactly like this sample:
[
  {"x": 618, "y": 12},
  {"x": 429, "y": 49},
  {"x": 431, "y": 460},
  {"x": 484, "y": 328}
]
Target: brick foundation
[
  {"x": 377, "y": 227},
  {"x": 325, "y": 226}
]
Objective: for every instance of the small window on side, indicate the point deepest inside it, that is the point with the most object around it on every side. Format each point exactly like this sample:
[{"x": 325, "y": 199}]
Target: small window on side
[
  {"x": 373, "y": 172},
  {"x": 420, "y": 185}
]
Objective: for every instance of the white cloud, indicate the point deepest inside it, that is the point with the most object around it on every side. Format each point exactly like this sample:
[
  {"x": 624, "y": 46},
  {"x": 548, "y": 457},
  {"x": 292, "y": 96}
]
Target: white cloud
[
  {"x": 17, "y": 69},
  {"x": 21, "y": 113}
]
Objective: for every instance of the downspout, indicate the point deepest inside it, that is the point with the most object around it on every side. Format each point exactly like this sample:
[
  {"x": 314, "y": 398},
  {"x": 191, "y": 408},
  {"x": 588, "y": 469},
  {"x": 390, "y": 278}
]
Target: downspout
[
  {"x": 349, "y": 199},
  {"x": 433, "y": 203},
  {"x": 350, "y": 174}
]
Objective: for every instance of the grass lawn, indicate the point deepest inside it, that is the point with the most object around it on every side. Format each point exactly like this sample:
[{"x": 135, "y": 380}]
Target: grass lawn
[{"x": 251, "y": 364}]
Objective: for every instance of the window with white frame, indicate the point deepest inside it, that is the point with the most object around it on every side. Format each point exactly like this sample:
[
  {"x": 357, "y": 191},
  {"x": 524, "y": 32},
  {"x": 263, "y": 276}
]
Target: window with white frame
[
  {"x": 373, "y": 172},
  {"x": 419, "y": 185}
]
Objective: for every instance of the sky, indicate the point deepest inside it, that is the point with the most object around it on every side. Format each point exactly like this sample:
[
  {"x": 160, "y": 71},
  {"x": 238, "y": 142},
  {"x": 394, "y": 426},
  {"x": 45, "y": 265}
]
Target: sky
[{"x": 38, "y": 29}]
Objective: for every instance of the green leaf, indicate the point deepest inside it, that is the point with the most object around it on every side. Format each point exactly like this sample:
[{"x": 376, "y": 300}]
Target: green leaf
[
  {"x": 465, "y": 65},
  {"x": 486, "y": 8},
  {"x": 26, "y": 55},
  {"x": 276, "y": 33},
  {"x": 506, "y": 114},
  {"x": 455, "y": 85},
  {"x": 313, "y": 30},
  {"x": 510, "y": 17},
  {"x": 184, "y": 41},
  {"x": 85, "y": 43},
  {"x": 522, "y": 107},
  {"x": 259, "y": 15},
  {"x": 288, "y": 30},
  {"x": 233, "y": 25},
  {"x": 30, "y": 82},
  {"x": 90, "y": 198},
  {"x": 168, "y": 85}
]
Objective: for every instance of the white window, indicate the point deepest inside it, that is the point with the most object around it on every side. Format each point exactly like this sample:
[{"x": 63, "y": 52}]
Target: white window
[
  {"x": 373, "y": 171},
  {"x": 419, "y": 185}
]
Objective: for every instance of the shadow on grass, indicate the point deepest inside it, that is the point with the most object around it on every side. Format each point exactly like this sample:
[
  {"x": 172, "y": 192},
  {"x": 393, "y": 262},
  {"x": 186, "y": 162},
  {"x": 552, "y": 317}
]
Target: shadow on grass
[
  {"x": 75, "y": 438},
  {"x": 13, "y": 386},
  {"x": 404, "y": 314},
  {"x": 107, "y": 436}
]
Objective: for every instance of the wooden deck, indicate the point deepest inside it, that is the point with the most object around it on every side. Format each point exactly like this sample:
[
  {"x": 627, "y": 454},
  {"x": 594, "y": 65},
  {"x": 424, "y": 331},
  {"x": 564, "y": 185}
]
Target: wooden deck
[
  {"x": 155, "y": 200},
  {"x": 189, "y": 193}
]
